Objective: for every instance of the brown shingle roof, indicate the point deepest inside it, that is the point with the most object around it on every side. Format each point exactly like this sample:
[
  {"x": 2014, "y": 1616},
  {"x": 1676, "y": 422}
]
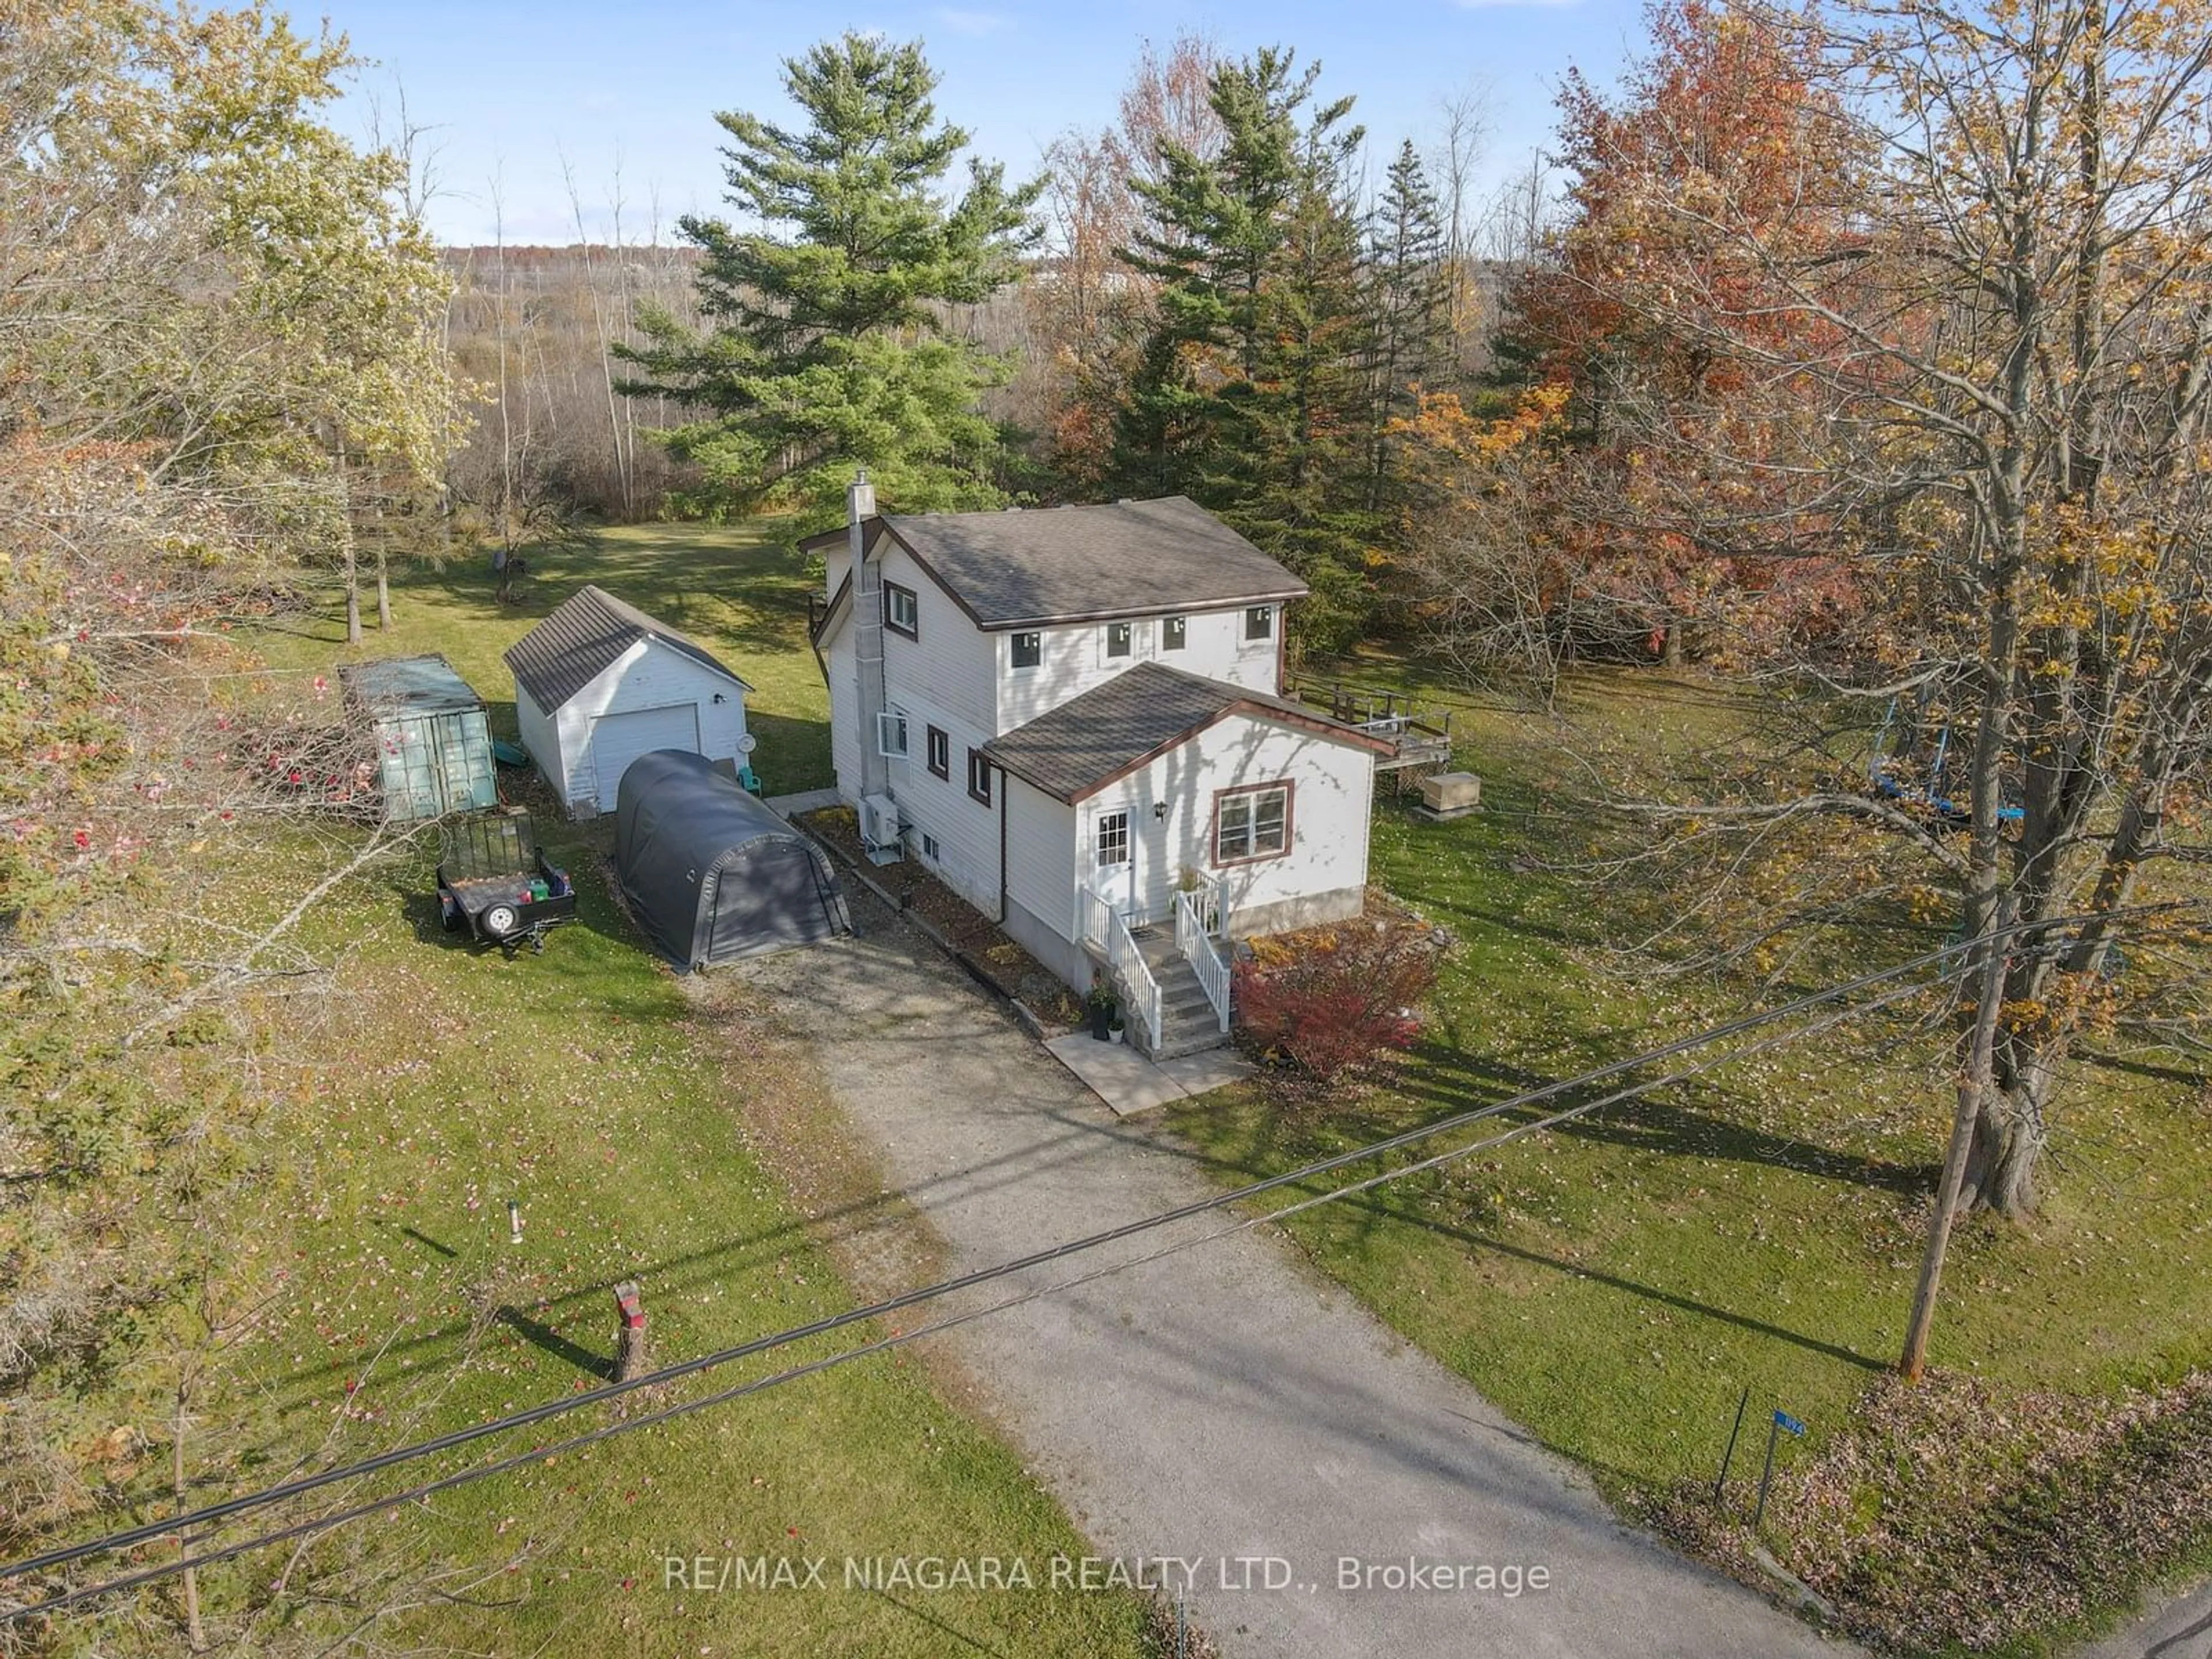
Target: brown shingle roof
[
  {"x": 1078, "y": 748},
  {"x": 1063, "y": 564},
  {"x": 584, "y": 635}
]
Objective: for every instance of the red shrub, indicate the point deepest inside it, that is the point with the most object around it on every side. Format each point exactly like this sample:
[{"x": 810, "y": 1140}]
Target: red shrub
[{"x": 1333, "y": 1001}]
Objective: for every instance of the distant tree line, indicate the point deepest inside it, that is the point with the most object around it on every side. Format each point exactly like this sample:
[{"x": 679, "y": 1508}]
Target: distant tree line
[{"x": 1205, "y": 299}]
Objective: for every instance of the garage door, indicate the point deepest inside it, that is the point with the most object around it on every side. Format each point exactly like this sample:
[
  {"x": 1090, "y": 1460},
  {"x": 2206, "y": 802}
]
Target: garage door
[{"x": 618, "y": 739}]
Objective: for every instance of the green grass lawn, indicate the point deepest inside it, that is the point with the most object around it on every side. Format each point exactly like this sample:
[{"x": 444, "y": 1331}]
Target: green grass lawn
[
  {"x": 586, "y": 1084},
  {"x": 1616, "y": 1284},
  {"x": 737, "y": 589}
]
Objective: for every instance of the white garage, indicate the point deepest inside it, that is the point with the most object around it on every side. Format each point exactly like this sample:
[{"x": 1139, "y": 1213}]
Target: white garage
[{"x": 599, "y": 683}]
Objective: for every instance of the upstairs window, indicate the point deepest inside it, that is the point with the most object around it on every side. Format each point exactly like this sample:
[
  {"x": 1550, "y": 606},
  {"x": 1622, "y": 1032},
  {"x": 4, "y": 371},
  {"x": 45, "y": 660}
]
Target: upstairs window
[
  {"x": 979, "y": 776},
  {"x": 902, "y": 610},
  {"x": 1175, "y": 633},
  {"x": 1260, "y": 622},
  {"x": 1120, "y": 638},
  {"x": 1028, "y": 650},
  {"x": 1113, "y": 839},
  {"x": 1252, "y": 823},
  {"x": 940, "y": 752}
]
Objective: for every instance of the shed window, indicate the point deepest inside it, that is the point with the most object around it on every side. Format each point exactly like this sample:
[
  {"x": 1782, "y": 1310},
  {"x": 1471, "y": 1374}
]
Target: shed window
[
  {"x": 1028, "y": 650},
  {"x": 1252, "y": 823},
  {"x": 1175, "y": 633},
  {"x": 940, "y": 752},
  {"x": 979, "y": 775},
  {"x": 1260, "y": 622},
  {"x": 902, "y": 610},
  {"x": 1113, "y": 839},
  {"x": 1119, "y": 637}
]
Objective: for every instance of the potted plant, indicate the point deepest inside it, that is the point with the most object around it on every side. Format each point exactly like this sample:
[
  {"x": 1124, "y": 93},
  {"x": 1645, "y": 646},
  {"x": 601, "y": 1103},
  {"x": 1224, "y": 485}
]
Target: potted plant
[
  {"x": 1116, "y": 1028},
  {"x": 1100, "y": 1003}
]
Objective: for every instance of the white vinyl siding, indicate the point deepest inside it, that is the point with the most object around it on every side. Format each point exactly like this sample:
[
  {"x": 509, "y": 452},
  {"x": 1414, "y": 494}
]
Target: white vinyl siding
[
  {"x": 949, "y": 659},
  {"x": 1075, "y": 660},
  {"x": 1334, "y": 787},
  {"x": 1041, "y": 863}
]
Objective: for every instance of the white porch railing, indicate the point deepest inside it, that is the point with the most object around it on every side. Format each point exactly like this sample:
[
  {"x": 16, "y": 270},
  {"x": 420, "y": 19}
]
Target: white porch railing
[
  {"x": 1198, "y": 950},
  {"x": 1104, "y": 926}
]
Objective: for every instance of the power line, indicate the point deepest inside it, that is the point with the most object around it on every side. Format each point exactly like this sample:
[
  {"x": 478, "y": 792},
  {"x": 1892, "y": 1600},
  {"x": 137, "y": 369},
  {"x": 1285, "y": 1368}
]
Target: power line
[
  {"x": 178, "y": 1524},
  {"x": 539, "y": 1455}
]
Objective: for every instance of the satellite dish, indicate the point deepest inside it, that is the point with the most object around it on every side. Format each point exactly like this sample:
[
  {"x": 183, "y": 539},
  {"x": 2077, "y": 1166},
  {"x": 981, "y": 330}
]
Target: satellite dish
[{"x": 747, "y": 743}]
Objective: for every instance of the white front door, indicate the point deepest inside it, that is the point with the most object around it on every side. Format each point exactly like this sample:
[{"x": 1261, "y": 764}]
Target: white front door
[{"x": 1113, "y": 853}]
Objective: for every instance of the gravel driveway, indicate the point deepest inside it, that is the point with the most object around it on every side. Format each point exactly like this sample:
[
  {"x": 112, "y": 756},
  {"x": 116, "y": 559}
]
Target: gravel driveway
[{"x": 1223, "y": 1408}]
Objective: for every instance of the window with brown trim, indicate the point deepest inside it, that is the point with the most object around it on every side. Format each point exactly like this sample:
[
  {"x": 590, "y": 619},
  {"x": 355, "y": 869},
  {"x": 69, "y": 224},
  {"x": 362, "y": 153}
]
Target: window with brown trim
[
  {"x": 1252, "y": 823},
  {"x": 940, "y": 752},
  {"x": 902, "y": 610},
  {"x": 979, "y": 775}
]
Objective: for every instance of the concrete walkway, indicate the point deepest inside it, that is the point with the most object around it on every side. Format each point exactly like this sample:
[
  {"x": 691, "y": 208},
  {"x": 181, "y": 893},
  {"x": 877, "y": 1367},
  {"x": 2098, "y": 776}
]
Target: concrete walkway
[
  {"x": 1127, "y": 1082},
  {"x": 809, "y": 800},
  {"x": 1222, "y": 1406}
]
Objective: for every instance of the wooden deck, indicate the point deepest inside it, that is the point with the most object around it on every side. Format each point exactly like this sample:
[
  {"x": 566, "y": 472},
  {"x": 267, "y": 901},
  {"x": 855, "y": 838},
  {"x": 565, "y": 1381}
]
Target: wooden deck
[{"x": 1419, "y": 738}]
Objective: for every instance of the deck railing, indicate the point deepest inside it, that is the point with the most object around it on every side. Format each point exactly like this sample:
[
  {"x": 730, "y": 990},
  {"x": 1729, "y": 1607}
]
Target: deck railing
[
  {"x": 1105, "y": 927},
  {"x": 1198, "y": 950}
]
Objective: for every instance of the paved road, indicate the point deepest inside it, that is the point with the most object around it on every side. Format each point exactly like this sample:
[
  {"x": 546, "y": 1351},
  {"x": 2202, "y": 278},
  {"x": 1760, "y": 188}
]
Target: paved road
[
  {"x": 2180, "y": 1628},
  {"x": 1223, "y": 1403}
]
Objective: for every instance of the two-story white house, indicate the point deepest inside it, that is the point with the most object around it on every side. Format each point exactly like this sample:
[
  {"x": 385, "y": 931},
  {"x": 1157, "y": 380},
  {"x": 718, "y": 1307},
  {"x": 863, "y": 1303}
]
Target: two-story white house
[{"x": 1072, "y": 716}]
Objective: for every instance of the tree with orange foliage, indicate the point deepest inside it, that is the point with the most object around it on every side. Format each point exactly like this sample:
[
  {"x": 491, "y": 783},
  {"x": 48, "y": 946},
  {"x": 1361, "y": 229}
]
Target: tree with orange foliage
[{"x": 1718, "y": 135}]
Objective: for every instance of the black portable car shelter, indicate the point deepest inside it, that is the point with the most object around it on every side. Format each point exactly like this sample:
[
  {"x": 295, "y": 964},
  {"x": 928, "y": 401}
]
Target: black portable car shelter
[{"x": 710, "y": 872}]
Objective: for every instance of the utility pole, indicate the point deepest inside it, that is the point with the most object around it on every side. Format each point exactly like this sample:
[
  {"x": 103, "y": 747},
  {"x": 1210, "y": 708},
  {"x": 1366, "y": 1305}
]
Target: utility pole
[{"x": 1973, "y": 1084}]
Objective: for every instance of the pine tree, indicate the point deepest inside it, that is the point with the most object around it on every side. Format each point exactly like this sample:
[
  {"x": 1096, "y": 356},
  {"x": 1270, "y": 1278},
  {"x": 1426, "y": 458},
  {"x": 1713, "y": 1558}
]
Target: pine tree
[
  {"x": 1410, "y": 287},
  {"x": 1252, "y": 396},
  {"x": 826, "y": 351}
]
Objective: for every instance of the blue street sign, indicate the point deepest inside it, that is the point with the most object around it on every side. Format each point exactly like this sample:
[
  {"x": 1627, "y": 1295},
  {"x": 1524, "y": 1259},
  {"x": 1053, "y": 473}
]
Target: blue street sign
[{"x": 1783, "y": 1420}]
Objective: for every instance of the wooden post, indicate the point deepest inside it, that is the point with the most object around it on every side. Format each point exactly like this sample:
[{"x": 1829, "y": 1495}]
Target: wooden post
[
  {"x": 630, "y": 1362},
  {"x": 194, "y": 1634},
  {"x": 1972, "y": 1082}
]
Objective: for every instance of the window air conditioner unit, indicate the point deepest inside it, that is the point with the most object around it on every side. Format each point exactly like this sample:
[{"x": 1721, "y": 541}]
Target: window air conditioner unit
[{"x": 880, "y": 826}]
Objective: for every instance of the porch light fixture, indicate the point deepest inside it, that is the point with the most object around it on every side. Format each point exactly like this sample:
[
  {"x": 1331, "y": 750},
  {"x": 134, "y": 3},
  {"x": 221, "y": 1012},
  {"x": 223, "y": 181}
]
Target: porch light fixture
[{"x": 1160, "y": 810}]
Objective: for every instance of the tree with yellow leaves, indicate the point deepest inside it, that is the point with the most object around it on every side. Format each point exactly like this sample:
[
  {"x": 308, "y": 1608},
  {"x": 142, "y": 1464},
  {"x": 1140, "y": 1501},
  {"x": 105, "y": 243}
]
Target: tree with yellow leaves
[{"x": 1998, "y": 382}]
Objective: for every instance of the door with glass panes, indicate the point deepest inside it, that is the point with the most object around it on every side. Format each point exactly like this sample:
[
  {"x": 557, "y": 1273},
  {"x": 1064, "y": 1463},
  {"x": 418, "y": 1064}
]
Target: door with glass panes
[{"x": 1116, "y": 856}]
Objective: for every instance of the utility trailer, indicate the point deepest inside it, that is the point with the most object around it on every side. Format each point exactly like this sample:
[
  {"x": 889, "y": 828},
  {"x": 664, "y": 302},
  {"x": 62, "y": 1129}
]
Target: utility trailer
[{"x": 495, "y": 885}]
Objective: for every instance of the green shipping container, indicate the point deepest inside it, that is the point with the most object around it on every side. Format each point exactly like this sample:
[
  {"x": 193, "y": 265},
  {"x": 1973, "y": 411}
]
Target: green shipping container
[{"x": 432, "y": 735}]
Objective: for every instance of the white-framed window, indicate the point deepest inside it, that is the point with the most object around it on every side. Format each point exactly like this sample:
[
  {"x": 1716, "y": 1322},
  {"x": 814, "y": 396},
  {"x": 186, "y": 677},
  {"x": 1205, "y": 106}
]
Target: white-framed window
[
  {"x": 979, "y": 775},
  {"x": 902, "y": 610},
  {"x": 890, "y": 734},
  {"x": 1028, "y": 650},
  {"x": 1252, "y": 823},
  {"x": 929, "y": 847},
  {"x": 1175, "y": 633},
  {"x": 1120, "y": 639},
  {"x": 1260, "y": 621},
  {"x": 1113, "y": 839}
]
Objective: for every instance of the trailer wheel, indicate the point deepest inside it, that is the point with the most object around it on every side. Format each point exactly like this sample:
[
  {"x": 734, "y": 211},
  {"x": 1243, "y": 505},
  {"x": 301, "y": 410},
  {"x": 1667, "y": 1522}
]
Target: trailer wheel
[{"x": 498, "y": 921}]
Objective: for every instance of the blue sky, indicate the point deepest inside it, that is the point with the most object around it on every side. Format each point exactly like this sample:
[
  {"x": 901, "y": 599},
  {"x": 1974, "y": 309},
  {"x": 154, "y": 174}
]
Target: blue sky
[{"x": 507, "y": 86}]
